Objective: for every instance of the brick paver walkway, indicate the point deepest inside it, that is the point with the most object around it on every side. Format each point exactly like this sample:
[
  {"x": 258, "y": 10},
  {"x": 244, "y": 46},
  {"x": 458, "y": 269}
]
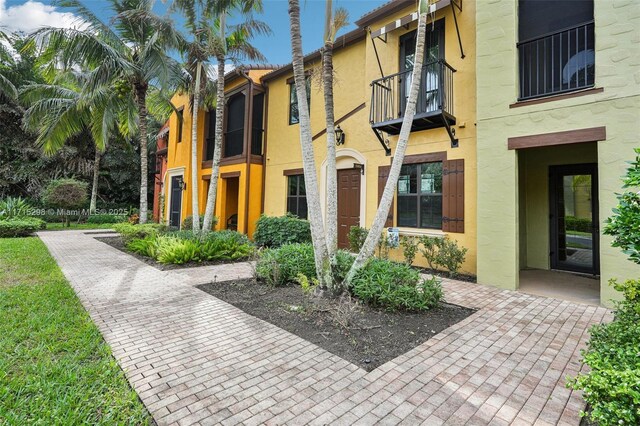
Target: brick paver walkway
[{"x": 194, "y": 359}]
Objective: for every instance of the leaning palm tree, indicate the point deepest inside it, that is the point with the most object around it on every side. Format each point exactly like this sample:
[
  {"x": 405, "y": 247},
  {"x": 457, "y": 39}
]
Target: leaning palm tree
[
  {"x": 133, "y": 50},
  {"x": 61, "y": 110},
  {"x": 334, "y": 21},
  {"x": 234, "y": 45},
  {"x": 321, "y": 253},
  {"x": 401, "y": 147}
]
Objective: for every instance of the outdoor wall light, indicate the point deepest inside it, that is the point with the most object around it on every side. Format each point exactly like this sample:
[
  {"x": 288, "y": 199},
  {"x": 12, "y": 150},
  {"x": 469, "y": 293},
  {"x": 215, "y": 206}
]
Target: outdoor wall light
[
  {"x": 340, "y": 136},
  {"x": 183, "y": 184}
]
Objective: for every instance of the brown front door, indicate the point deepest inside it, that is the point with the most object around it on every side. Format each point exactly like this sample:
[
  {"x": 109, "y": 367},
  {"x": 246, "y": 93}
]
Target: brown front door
[{"x": 348, "y": 204}]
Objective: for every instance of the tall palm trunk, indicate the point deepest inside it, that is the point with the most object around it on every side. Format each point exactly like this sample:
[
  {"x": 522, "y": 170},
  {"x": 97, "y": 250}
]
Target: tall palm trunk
[
  {"x": 331, "y": 218},
  {"x": 389, "y": 189},
  {"x": 94, "y": 187},
  {"x": 321, "y": 254},
  {"x": 217, "y": 154},
  {"x": 195, "y": 208},
  {"x": 141, "y": 100}
]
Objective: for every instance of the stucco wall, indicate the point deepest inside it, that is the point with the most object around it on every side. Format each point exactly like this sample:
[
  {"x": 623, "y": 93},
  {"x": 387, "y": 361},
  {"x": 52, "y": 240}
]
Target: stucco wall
[
  {"x": 356, "y": 67},
  {"x": 617, "y": 72}
]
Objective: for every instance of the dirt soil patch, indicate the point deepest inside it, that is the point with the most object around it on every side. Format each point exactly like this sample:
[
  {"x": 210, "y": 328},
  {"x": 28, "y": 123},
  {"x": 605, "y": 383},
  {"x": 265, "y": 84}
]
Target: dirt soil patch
[
  {"x": 365, "y": 336},
  {"x": 117, "y": 243}
]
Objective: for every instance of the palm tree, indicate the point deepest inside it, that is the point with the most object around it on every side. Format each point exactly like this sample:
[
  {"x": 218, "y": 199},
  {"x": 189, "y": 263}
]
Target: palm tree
[
  {"x": 394, "y": 173},
  {"x": 235, "y": 45},
  {"x": 321, "y": 253},
  {"x": 134, "y": 51},
  {"x": 7, "y": 88},
  {"x": 333, "y": 23},
  {"x": 61, "y": 110}
]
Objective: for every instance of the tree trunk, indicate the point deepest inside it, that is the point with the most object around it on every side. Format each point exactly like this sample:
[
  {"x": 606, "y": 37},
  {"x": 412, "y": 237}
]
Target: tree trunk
[
  {"x": 195, "y": 208},
  {"x": 332, "y": 186},
  {"x": 321, "y": 254},
  {"x": 215, "y": 163},
  {"x": 389, "y": 189},
  {"x": 94, "y": 187},
  {"x": 141, "y": 100}
]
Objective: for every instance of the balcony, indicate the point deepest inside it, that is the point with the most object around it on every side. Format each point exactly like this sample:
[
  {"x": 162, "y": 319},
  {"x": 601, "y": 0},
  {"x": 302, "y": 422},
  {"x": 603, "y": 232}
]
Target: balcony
[
  {"x": 434, "y": 107},
  {"x": 558, "y": 62}
]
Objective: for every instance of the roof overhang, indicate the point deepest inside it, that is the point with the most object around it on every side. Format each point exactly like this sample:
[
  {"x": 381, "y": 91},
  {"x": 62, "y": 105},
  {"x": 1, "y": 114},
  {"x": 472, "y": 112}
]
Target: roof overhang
[{"x": 405, "y": 20}]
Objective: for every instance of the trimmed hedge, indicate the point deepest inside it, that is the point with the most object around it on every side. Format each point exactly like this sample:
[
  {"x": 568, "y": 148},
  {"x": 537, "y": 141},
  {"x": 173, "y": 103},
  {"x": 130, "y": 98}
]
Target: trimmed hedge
[
  {"x": 20, "y": 227},
  {"x": 576, "y": 224},
  {"x": 129, "y": 231},
  {"x": 105, "y": 218},
  {"x": 278, "y": 231}
]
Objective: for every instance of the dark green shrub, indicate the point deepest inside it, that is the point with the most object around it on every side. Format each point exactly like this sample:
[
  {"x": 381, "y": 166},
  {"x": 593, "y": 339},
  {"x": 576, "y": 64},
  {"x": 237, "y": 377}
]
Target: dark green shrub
[
  {"x": 177, "y": 251},
  {"x": 105, "y": 218},
  {"x": 451, "y": 256},
  {"x": 576, "y": 224},
  {"x": 409, "y": 248},
  {"x": 277, "y": 231},
  {"x": 343, "y": 262},
  {"x": 12, "y": 207},
  {"x": 146, "y": 247},
  {"x": 187, "y": 223},
  {"x": 429, "y": 249},
  {"x": 395, "y": 286},
  {"x": 280, "y": 266},
  {"x": 357, "y": 235},
  {"x": 20, "y": 227},
  {"x": 130, "y": 232}
]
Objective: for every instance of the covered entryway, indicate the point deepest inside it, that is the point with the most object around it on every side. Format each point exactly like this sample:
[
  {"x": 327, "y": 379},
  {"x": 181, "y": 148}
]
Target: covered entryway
[
  {"x": 348, "y": 203},
  {"x": 559, "y": 222},
  {"x": 230, "y": 208}
]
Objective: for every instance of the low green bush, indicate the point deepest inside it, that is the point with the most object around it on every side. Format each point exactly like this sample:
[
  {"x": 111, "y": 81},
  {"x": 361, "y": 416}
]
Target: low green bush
[
  {"x": 395, "y": 286},
  {"x": 280, "y": 266},
  {"x": 409, "y": 248},
  {"x": 357, "y": 236},
  {"x": 274, "y": 231},
  {"x": 577, "y": 224},
  {"x": 20, "y": 227},
  {"x": 343, "y": 262},
  {"x": 129, "y": 232},
  {"x": 106, "y": 218},
  {"x": 13, "y": 207},
  {"x": 443, "y": 252}
]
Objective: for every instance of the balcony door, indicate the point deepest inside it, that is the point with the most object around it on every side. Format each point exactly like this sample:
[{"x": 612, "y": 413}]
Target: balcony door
[
  {"x": 429, "y": 99},
  {"x": 574, "y": 218}
]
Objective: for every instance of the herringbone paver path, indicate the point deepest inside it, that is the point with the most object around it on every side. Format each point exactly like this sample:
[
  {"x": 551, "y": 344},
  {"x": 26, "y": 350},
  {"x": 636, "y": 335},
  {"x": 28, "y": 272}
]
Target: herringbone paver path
[{"x": 195, "y": 359}]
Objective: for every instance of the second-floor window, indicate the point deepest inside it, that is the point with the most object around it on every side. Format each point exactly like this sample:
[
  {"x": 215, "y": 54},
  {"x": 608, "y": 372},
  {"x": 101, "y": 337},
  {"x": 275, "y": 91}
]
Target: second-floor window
[
  {"x": 180, "y": 122},
  {"x": 234, "y": 135},
  {"x": 556, "y": 48},
  {"x": 296, "y": 196},
  {"x": 294, "y": 116},
  {"x": 420, "y": 195},
  {"x": 210, "y": 135}
]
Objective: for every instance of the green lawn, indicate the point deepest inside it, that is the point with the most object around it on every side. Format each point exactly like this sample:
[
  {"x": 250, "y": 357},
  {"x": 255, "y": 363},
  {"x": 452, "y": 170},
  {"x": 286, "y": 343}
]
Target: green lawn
[
  {"x": 55, "y": 368},
  {"x": 57, "y": 226}
]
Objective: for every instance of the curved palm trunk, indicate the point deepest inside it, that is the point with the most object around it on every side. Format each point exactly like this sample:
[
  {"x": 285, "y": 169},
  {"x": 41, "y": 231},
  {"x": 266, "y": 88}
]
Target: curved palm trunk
[
  {"x": 389, "y": 189},
  {"x": 217, "y": 154},
  {"x": 94, "y": 185},
  {"x": 195, "y": 208},
  {"x": 141, "y": 100},
  {"x": 321, "y": 254}
]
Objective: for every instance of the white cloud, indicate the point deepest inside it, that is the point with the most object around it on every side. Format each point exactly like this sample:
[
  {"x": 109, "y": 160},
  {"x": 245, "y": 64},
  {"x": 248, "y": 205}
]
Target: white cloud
[{"x": 32, "y": 15}]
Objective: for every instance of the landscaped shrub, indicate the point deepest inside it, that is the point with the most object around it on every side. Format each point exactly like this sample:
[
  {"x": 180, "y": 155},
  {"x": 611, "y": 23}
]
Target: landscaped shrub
[
  {"x": 105, "y": 218},
  {"x": 130, "y": 232},
  {"x": 409, "y": 248},
  {"x": 279, "y": 266},
  {"x": 20, "y": 227},
  {"x": 187, "y": 223},
  {"x": 66, "y": 194},
  {"x": 576, "y": 224},
  {"x": 277, "y": 231},
  {"x": 357, "y": 236},
  {"x": 343, "y": 262},
  {"x": 12, "y": 207},
  {"x": 395, "y": 286},
  {"x": 429, "y": 249},
  {"x": 443, "y": 252}
]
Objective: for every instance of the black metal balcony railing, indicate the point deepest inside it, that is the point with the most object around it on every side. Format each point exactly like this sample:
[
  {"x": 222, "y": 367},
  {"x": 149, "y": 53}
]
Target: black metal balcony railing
[
  {"x": 558, "y": 62},
  {"x": 389, "y": 97}
]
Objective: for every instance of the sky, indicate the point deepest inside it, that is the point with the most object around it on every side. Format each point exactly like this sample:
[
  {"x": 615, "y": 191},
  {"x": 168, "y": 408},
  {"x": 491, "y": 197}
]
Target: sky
[{"x": 28, "y": 15}]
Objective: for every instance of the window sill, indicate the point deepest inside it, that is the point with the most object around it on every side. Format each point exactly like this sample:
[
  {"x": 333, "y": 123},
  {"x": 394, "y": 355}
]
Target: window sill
[
  {"x": 418, "y": 232},
  {"x": 558, "y": 97}
]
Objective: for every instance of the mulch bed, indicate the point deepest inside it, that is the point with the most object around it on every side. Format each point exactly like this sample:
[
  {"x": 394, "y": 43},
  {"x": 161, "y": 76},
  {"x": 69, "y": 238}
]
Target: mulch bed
[
  {"x": 445, "y": 274},
  {"x": 365, "y": 336},
  {"x": 117, "y": 243}
]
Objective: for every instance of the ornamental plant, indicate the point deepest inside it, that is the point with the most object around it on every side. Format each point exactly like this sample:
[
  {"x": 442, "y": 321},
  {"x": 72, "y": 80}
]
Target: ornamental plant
[{"x": 65, "y": 194}]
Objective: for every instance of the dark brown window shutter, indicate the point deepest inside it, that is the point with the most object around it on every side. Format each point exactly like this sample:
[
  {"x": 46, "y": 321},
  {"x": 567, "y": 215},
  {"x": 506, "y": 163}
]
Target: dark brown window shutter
[
  {"x": 453, "y": 196},
  {"x": 383, "y": 174}
]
